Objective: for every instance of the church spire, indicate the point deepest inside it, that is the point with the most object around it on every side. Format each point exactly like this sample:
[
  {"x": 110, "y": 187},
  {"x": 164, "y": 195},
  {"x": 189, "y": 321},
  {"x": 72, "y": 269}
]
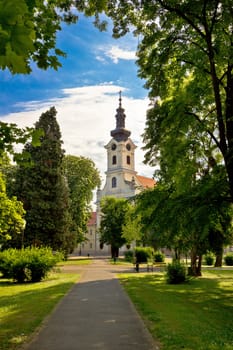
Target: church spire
[{"x": 120, "y": 133}]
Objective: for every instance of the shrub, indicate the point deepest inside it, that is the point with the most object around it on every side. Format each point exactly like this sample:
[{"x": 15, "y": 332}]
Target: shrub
[
  {"x": 159, "y": 257},
  {"x": 28, "y": 265},
  {"x": 176, "y": 273},
  {"x": 229, "y": 259},
  {"x": 143, "y": 254},
  {"x": 7, "y": 258},
  {"x": 128, "y": 255},
  {"x": 209, "y": 259}
]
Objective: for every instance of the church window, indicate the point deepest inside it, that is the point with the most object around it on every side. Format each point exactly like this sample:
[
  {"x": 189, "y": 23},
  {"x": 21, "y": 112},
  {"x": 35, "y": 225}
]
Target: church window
[
  {"x": 114, "y": 182},
  {"x": 128, "y": 147},
  {"x": 128, "y": 160},
  {"x": 114, "y": 160},
  {"x": 113, "y": 146}
]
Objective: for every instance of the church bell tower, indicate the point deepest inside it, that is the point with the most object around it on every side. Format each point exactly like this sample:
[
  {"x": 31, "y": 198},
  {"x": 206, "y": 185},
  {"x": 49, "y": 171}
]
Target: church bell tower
[
  {"x": 121, "y": 180},
  {"x": 120, "y": 174}
]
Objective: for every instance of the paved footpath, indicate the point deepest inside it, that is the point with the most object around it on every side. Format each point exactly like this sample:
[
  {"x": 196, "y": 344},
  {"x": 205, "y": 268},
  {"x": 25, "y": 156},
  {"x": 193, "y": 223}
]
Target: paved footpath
[{"x": 95, "y": 314}]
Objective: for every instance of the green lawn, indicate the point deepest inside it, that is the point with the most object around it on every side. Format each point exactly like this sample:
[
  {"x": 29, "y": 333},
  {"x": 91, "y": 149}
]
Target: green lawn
[
  {"x": 75, "y": 261},
  {"x": 193, "y": 316},
  {"x": 24, "y": 306}
]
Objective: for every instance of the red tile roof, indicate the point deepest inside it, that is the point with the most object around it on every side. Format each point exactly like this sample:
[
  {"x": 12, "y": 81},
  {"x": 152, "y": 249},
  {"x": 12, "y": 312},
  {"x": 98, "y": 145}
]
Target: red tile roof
[
  {"x": 146, "y": 182},
  {"x": 92, "y": 220}
]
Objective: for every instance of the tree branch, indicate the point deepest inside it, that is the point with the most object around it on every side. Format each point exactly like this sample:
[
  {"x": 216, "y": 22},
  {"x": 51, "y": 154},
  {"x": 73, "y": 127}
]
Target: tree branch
[{"x": 207, "y": 130}]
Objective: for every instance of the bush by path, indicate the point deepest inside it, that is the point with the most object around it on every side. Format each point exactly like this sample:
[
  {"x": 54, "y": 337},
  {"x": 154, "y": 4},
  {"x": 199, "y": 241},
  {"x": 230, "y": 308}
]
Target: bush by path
[{"x": 28, "y": 265}]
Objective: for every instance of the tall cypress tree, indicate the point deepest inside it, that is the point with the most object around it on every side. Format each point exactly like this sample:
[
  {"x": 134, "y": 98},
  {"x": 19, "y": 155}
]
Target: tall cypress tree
[{"x": 43, "y": 189}]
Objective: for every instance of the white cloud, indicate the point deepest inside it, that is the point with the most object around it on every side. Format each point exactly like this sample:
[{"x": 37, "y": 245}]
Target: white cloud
[
  {"x": 116, "y": 53},
  {"x": 86, "y": 116}
]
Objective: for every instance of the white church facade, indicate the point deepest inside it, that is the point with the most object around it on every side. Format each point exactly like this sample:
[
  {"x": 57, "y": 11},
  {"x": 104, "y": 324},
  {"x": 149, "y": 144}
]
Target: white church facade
[{"x": 122, "y": 180}]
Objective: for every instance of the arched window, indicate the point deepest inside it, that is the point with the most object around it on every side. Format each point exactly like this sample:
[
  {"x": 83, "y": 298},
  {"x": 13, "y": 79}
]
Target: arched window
[
  {"x": 128, "y": 159},
  {"x": 114, "y": 182},
  {"x": 114, "y": 159}
]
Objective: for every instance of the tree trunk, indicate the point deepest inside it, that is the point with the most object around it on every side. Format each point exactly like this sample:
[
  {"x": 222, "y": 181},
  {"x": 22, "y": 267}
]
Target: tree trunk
[
  {"x": 199, "y": 262},
  {"x": 195, "y": 268},
  {"x": 114, "y": 252},
  {"x": 192, "y": 268},
  {"x": 229, "y": 128},
  {"x": 177, "y": 254},
  {"x": 218, "y": 261}
]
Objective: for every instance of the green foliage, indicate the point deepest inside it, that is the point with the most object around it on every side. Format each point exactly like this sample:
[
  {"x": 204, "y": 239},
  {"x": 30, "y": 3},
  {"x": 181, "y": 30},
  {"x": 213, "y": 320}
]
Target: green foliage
[
  {"x": 28, "y": 31},
  {"x": 29, "y": 264},
  {"x": 132, "y": 229},
  {"x": 143, "y": 254},
  {"x": 176, "y": 273},
  {"x": 11, "y": 215},
  {"x": 43, "y": 190},
  {"x": 82, "y": 177},
  {"x": 113, "y": 218},
  {"x": 228, "y": 258},
  {"x": 198, "y": 219},
  {"x": 185, "y": 57},
  {"x": 10, "y": 135},
  {"x": 209, "y": 259},
  {"x": 129, "y": 255},
  {"x": 159, "y": 257}
]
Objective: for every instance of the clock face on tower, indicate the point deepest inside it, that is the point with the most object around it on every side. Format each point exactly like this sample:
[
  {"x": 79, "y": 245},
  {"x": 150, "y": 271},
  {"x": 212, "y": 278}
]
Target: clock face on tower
[
  {"x": 114, "y": 146},
  {"x": 128, "y": 147}
]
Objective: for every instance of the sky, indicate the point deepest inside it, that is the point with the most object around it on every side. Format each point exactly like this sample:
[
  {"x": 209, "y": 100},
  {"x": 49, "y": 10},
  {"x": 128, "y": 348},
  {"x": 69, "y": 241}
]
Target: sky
[{"x": 85, "y": 93}]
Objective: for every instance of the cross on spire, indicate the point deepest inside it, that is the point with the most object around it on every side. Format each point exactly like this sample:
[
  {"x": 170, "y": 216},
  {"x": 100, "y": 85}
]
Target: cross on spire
[{"x": 120, "y": 98}]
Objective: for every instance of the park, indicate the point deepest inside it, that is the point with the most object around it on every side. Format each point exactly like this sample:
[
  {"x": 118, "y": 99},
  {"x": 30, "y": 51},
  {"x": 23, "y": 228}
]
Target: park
[
  {"x": 192, "y": 315},
  {"x": 151, "y": 267}
]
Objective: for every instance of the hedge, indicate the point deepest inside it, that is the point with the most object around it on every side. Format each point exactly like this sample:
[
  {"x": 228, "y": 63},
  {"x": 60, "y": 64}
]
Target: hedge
[{"x": 28, "y": 265}]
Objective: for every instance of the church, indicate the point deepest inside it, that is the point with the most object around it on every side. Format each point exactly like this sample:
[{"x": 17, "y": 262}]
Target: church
[{"x": 122, "y": 180}]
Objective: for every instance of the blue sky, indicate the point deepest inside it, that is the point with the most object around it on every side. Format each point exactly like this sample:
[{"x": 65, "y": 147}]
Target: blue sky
[{"x": 84, "y": 92}]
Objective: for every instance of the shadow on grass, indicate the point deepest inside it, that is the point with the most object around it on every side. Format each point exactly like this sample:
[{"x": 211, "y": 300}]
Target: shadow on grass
[{"x": 194, "y": 315}]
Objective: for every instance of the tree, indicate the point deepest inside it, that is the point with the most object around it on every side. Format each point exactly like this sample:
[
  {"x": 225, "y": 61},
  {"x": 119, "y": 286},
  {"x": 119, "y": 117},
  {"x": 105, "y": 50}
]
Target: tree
[
  {"x": 182, "y": 43},
  {"x": 82, "y": 177},
  {"x": 43, "y": 190},
  {"x": 113, "y": 216},
  {"x": 12, "y": 222},
  {"x": 10, "y": 135},
  {"x": 28, "y": 30},
  {"x": 189, "y": 222},
  {"x": 132, "y": 229}
]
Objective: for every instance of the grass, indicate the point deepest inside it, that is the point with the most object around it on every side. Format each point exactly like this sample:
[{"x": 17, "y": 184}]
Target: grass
[
  {"x": 120, "y": 261},
  {"x": 75, "y": 261},
  {"x": 24, "y": 306},
  {"x": 192, "y": 316}
]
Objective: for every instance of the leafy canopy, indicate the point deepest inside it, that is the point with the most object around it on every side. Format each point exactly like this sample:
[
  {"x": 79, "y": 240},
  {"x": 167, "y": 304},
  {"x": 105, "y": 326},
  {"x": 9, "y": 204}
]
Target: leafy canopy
[
  {"x": 11, "y": 215},
  {"x": 82, "y": 177},
  {"x": 113, "y": 218},
  {"x": 185, "y": 56},
  {"x": 28, "y": 30}
]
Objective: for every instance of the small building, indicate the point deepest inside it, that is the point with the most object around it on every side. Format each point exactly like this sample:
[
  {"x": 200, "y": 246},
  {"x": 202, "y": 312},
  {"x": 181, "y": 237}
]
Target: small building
[{"x": 89, "y": 247}]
